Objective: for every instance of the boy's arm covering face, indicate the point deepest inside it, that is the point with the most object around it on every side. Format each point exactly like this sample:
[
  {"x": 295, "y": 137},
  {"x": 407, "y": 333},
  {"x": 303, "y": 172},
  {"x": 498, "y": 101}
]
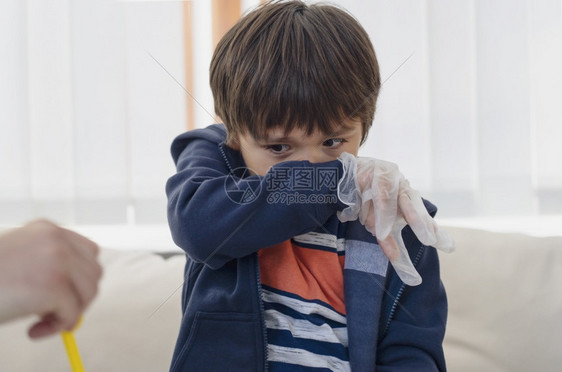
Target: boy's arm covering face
[
  {"x": 202, "y": 198},
  {"x": 378, "y": 194},
  {"x": 217, "y": 215}
]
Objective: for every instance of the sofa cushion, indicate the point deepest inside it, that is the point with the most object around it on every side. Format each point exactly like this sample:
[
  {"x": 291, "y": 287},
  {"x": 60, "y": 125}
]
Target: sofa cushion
[
  {"x": 504, "y": 310},
  {"x": 505, "y": 302},
  {"x": 131, "y": 326}
]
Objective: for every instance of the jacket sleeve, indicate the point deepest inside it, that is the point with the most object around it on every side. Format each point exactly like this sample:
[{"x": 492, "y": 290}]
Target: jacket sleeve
[
  {"x": 212, "y": 220},
  {"x": 413, "y": 324}
]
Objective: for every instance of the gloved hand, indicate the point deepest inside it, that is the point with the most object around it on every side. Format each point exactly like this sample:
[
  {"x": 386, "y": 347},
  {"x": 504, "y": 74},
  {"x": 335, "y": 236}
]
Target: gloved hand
[{"x": 379, "y": 195}]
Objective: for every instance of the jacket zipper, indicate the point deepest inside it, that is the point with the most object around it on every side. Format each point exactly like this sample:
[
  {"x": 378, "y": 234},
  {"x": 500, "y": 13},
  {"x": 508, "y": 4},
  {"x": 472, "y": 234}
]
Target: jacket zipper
[
  {"x": 399, "y": 294},
  {"x": 258, "y": 279},
  {"x": 262, "y": 314},
  {"x": 225, "y": 158}
]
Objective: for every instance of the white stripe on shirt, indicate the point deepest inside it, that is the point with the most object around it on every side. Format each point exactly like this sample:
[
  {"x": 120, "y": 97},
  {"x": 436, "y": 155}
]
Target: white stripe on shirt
[
  {"x": 301, "y": 328},
  {"x": 306, "y": 358},
  {"x": 303, "y": 307},
  {"x": 320, "y": 239}
]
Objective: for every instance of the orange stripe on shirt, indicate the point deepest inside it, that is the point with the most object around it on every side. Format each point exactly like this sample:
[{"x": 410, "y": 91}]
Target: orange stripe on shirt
[{"x": 312, "y": 274}]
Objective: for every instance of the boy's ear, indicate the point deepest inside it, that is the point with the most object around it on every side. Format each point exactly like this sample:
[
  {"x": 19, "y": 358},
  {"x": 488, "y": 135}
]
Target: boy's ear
[{"x": 233, "y": 143}]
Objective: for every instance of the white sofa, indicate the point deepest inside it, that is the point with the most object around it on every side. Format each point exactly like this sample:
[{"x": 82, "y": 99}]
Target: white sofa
[{"x": 505, "y": 299}]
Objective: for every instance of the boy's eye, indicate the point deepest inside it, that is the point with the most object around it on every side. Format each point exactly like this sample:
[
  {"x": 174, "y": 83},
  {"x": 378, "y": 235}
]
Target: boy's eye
[
  {"x": 277, "y": 149},
  {"x": 333, "y": 142}
]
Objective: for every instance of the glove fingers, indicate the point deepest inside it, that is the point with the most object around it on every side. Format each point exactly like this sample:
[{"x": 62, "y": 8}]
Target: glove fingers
[
  {"x": 444, "y": 242},
  {"x": 406, "y": 272},
  {"x": 348, "y": 189},
  {"x": 364, "y": 212},
  {"x": 425, "y": 227},
  {"x": 403, "y": 265},
  {"x": 370, "y": 221},
  {"x": 348, "y": 214},
  {"x": 413, "y": 210},
  {"x": 385, "y": 190},
  {"x": 385, "y": 213},
  {"x": 389, "y": 248},
  {"x": 395, "y": 250}
]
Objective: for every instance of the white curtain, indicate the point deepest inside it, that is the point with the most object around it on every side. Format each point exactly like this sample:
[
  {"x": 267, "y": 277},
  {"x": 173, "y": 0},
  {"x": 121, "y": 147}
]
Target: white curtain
[
  {"x": 92, "y": 94},
  {"x": 471, "y": 106},
  {"x": 88, "y": 109},
  {"x": 474, "y": 117}
]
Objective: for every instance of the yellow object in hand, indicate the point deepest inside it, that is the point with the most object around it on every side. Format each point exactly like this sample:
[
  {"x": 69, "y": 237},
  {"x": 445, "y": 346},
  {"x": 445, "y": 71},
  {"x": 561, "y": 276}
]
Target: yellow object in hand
[{"x": 72, "y": 349}]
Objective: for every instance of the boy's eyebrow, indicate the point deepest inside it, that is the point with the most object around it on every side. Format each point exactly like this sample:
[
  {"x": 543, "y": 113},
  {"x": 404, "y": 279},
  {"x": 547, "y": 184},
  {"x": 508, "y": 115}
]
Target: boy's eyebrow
[
  {"x": 341, "y": 130},
  {"x": 275, "y": 139}
]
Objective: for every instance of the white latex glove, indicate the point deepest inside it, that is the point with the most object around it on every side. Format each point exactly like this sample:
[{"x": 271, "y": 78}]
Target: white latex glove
[{"x": 379, "y": 195}]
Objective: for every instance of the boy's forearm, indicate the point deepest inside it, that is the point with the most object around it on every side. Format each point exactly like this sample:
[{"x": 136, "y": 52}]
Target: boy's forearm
[{"x": 212, "y": 221}]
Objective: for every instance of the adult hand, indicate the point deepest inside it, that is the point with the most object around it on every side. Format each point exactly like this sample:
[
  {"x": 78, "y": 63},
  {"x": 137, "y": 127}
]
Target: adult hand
[
  {"x": 47, "y": 271},
  {"x": 379, "y": 195}
]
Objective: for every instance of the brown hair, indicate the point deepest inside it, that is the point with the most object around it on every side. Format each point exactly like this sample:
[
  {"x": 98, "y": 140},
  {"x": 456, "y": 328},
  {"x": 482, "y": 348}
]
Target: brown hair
[{"x": 289, "y": 64}]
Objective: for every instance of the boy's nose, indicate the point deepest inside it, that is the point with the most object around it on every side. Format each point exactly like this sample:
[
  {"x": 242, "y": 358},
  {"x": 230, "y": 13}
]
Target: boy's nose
[{"x": 314, "y": 155}]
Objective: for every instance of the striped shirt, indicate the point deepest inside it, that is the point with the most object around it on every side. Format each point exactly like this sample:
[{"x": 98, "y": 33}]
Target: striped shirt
[{"x": 302, "y": 293}]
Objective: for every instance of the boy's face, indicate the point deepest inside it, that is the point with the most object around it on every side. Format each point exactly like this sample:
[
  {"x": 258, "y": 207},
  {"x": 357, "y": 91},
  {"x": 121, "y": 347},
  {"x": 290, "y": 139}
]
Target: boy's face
[{"x": 317, "y": 147}]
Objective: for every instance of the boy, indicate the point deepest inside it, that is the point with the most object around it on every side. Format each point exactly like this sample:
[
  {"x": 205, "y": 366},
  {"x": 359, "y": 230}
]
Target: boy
[{"x": 274, "y": 280}]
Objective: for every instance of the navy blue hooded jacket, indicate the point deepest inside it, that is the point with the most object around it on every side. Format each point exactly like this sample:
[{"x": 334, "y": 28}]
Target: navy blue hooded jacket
[{"x": 391, "y": 326}]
